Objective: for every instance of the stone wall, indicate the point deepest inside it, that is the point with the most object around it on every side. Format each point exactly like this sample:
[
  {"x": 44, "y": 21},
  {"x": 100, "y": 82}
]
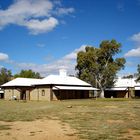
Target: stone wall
[
  {"x": 9, "y": 93},
  {"x": 42, "y": 93}
]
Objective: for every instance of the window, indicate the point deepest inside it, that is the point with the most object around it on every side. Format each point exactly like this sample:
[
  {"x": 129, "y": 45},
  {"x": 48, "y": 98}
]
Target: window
[{"x": 43, "y": 92}]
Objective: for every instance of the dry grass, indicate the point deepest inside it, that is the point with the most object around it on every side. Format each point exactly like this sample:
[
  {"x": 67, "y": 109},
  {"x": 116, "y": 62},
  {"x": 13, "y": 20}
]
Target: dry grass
[{"x": 110, "y": 119}]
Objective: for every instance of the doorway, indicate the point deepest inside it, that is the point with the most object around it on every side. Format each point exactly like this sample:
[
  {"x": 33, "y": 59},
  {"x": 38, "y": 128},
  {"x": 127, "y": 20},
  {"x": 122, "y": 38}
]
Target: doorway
[
  {"x": 1, "y": 95},
  {"x": 23, "y": 95}
]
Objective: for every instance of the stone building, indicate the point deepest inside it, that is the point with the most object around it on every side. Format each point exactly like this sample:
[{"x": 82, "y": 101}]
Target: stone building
[{"x": 52, "y": 87}]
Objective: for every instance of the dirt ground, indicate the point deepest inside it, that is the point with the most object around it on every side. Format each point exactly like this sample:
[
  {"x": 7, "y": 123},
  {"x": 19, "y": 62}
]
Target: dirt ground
[{"x": 38, "y": 130}]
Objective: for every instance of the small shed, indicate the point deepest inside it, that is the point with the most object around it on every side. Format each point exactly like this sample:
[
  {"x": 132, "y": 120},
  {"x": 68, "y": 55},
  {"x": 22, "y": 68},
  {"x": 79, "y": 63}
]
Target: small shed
[{"x": 123, "y": 88}]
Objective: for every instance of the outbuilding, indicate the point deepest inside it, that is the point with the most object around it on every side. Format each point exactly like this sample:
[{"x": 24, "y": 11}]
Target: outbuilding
[{"x": 123, "y": 88}]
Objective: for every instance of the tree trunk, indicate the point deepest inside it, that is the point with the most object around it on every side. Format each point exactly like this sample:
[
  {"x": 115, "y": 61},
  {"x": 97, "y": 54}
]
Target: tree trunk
[{"x": 102, "y": 93}]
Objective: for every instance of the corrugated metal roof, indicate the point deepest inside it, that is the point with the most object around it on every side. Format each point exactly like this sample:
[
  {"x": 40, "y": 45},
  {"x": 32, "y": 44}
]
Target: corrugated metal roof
[
  {"x": 73, "y": 88},
  {"x": 22, "y": 82},
  {"x": 137, "y": 88},
  {"x": 51, "y": 79},
  {"x": 116, "y": 89},
  {"x": 125, "y": 82},
  {"x": 63, "y": 80}
]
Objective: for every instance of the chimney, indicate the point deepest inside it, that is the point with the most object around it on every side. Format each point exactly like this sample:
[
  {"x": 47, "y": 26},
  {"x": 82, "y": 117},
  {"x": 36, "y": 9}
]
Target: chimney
[{"x": 63, "y": 72}]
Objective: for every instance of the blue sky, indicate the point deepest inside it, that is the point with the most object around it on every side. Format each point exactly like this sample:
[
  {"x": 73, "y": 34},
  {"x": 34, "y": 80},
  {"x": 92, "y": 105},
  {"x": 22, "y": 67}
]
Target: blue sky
[{"x": 45, "y": 35}]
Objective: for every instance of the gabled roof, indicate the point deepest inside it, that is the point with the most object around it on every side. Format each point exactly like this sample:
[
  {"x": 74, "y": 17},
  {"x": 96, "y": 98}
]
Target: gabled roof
[
  {"x": 49, "y": 80},
  {"x": 62, "y": 80},
  {"x": 21, "y": 82},
  {"x": 116, "y": 89},
  {"x": 123, "y": 84},
  {"x": 73, "y": 88}
]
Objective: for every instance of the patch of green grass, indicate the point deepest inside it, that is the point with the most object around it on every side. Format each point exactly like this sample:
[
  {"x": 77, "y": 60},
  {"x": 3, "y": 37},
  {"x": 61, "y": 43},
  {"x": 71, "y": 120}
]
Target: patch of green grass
[{"x": 104, "y": 119}]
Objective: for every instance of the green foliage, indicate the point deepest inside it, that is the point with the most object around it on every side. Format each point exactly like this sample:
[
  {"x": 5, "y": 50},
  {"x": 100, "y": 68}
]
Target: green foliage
[
  {"x": 98, "y": 66},
  {"x": 128, "y": 76},
  {"x": 27, "y": 74},
  {"x": 138, "y": 70},
  {"x": 5, "y": 75}
]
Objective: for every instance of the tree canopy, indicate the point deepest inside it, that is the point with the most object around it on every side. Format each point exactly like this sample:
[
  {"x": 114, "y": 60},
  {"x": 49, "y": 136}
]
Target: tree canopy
[
  {"x": 99, "y": 66},
  {"x": 138, "y": 75},
  {"x": 28, "y": 74},
  {"x": 128, "y": 76},
  {"x": 5, "y": 75}
]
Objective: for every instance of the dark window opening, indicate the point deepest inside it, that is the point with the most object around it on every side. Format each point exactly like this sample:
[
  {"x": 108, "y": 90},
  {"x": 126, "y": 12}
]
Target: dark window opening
[{"x": 43, "y": 92}]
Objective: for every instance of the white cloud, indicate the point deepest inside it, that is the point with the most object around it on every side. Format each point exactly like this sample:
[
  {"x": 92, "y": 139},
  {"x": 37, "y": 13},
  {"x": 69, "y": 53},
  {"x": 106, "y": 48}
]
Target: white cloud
[
  {"x": 45, "y": 69},
  {"x": 64, "y": 11},
  {"x": 22, "y": 10},
  {"x": 46, "y": 25},
  {"x": 73, "y": 55},
  {"x": 136, "y": 37},
  {"x": 36, "y": 15},
  {"x": 68, "y": 62},
  {"x": 130, "y": 64},
  {"x": 133, "y": 53},
  {"x": 3, "y": 57}
]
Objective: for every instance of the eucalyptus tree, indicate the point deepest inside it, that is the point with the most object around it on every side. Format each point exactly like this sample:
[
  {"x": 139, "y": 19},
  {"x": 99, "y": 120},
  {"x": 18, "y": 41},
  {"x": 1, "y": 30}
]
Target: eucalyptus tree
[
  {"x": 138, "y": 74},
  {"x": 99, "y": 66}
]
